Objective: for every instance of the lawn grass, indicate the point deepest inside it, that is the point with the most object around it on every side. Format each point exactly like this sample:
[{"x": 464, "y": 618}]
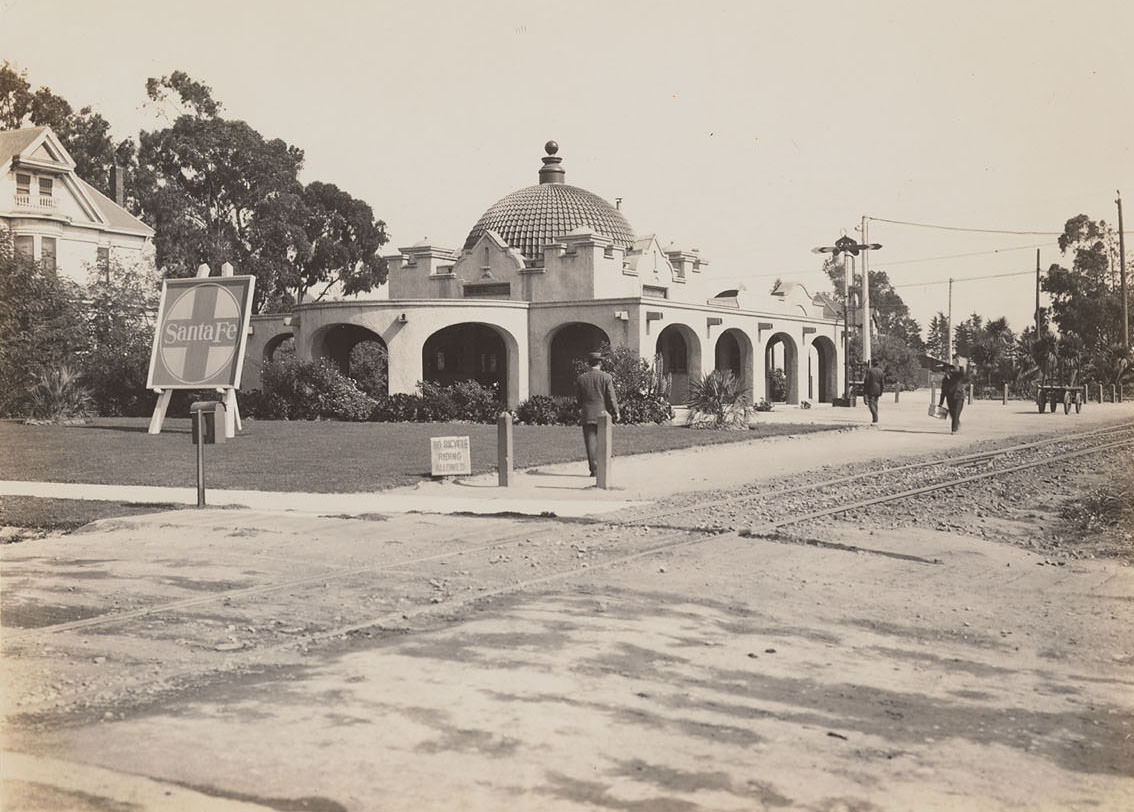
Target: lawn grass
[{"x": 321, "y": 457}]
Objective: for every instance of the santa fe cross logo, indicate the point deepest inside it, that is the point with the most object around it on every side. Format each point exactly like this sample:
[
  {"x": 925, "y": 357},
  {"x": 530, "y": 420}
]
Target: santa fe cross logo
[{"x": 201, "y": 333}]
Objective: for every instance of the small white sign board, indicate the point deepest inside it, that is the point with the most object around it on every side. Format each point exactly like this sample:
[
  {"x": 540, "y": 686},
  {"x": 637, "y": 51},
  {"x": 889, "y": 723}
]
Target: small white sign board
[{"x": 450, "y": 455}]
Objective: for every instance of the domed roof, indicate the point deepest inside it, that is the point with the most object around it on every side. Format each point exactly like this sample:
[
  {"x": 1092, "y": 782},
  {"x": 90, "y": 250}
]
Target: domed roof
[{"x": 535, "y": 216}]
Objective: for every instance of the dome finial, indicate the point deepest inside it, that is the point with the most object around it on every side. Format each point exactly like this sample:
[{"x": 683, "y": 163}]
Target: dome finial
[{"x": 552, "y": 172}]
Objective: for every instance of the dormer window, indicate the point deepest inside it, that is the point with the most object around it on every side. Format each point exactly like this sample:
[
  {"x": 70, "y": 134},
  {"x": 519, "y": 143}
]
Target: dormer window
[{"x": 42, "y": 198}]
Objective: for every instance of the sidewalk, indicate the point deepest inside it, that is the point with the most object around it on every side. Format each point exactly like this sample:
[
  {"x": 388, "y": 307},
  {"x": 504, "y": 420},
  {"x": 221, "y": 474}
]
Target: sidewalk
[{"x": 566, "y": 490}]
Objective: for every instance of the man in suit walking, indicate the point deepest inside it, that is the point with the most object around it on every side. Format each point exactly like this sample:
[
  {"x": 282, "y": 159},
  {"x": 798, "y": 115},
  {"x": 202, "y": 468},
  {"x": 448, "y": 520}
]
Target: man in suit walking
[
  {"x": 872, "y": 384},
  {"x": 594, "y": 390}
]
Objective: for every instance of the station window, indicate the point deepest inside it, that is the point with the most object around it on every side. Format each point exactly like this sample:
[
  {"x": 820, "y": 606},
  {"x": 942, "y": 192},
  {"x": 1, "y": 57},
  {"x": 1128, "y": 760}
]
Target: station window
[{"x": 25, "y": 245}]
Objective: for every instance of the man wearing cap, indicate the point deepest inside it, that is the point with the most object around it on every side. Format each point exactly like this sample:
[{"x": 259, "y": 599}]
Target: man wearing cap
[{"x": 594, "y": 390}]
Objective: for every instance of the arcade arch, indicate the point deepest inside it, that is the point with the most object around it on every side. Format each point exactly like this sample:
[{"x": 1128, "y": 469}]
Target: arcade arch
[
  {"x": 359, "y": 353},
  {"x": 570, "y": 342},
  {"x": 679, "y": 354},
  {"x": 468, "y": 352},
  {"x": 733, "y": 352},
  {"x": 283, "y": 344},
  {"x": 781, "y": 353},
  {"x": 822, "y": 370}
]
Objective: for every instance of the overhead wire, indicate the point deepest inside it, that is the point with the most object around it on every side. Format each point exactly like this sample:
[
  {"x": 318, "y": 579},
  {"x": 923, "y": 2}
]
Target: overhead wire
[
  {"x": 964, "y": 279},
  {"x": 962, "y": 228}
]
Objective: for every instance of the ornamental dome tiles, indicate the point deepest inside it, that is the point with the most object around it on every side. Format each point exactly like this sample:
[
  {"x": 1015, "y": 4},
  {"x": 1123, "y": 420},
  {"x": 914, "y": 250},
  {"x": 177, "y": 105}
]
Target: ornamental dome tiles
[{"x": 535, "y": 216}]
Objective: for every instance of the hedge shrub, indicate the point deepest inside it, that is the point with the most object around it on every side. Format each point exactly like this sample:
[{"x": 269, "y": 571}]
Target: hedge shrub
[{"x": 308, "y": 390}]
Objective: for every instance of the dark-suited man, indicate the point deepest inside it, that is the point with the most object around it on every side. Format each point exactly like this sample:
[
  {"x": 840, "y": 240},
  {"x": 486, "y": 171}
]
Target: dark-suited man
[
  {"x": 594, "y": 390},
  {"x": 873, "y": 383}
]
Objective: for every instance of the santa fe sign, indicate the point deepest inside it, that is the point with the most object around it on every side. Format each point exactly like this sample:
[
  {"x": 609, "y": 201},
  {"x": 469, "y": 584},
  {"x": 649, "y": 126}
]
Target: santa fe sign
[{"x": 202, "y": 328}]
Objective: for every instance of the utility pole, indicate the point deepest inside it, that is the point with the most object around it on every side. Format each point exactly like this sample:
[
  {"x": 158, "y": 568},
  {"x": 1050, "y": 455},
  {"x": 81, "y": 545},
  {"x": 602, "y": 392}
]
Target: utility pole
[
  {"x": 949, "y": 326},
  {"x": 866, "y": 290},
  {"x": 1037, "y": 294},
  {"x": 848, "y": 280},
  {"x": 1122, "y": 277}
]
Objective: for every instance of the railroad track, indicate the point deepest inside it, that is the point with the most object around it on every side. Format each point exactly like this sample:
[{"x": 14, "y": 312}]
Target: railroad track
[{"x": 825, "y": 498}]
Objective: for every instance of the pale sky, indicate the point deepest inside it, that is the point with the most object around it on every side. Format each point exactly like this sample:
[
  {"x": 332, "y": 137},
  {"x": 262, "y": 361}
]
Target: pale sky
[{"x": 751, "y": 130}]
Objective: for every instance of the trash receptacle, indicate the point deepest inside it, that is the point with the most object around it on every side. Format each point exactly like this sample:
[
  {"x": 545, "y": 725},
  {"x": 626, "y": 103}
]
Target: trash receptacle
[{"x": 206, "y": 416}]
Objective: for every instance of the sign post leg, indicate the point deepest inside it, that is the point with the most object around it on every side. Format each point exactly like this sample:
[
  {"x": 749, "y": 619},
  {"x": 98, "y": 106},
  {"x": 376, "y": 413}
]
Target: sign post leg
[
  {"x": 231, "y": 413},
  {"x": 159, "y": 411}
]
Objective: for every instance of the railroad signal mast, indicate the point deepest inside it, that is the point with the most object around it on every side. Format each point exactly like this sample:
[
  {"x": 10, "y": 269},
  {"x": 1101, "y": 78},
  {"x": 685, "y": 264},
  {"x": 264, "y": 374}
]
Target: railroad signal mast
[{"x": 847, "y": 245}]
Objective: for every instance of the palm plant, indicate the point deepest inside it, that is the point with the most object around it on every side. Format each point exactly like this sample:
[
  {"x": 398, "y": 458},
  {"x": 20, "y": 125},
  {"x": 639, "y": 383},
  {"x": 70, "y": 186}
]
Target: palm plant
[
  {"x": 719, "y": 400},
  {"x": 59, "y": 395}
]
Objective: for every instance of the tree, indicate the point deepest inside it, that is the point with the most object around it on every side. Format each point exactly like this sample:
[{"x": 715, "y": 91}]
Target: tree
[
  {"x": 898, "y": 345},
  {"x": 41, "y": 326},
  {"x": 988, "y": 345},
  {"x": 121, "y": 307},
  {"x": 344, "y": 239},
  {"x": 217, "y": 191},
  {"x": 937, "y": 344},
  {"x": 1086, "y": 303},
  {"x": 85, "y": 134}
]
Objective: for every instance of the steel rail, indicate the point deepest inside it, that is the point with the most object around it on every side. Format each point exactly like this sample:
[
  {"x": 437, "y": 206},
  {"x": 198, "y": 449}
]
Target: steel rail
[{"x": 843, "y": 480}]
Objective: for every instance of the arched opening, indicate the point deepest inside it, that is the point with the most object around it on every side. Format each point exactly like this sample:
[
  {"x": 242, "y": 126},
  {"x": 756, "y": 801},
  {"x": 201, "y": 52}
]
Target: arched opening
[
  {"x": 823, "y": 370},
  {"x": 358, "y": 353},
  {"x": 781, "y": 370},
  {"x": 279, "y": 347},
  {"x": 678, "y": 355},
  {"x": 728, "y": 356},
  {"x": 571, "y": 342},
  {"x": 466, "y": 352},
  {"x": 734, "y": 353}
]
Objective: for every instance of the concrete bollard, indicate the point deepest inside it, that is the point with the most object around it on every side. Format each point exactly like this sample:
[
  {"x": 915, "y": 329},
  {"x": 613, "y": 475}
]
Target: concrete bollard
[
  {"x": 1100, "y": 393},
  {"x": 896, "y": 393},
  {"x": 605, "y": 451},
  {"x": 504, "y": 445},
  {"x": 1113, "y": 394},
  {"x": 933, "y": 394},
  {"x": 1004, "y": 397},
  {"x": 969, "y": 395}
]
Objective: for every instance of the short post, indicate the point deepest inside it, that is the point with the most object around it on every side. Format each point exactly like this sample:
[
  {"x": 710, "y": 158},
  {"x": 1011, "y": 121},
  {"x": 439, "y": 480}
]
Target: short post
[
  {"x": 504, "y": 447},
  {"x": 933, "y": 394},
  {"x": 1113, "y": 394},
  {"x": 1118, "y": 397},
  {"x": 1004, "y": 397},
  {"x": 200, "y": 418},
  {"x": 605, "y": 447},
  {"x": 969, "y": 396},
  {"x": 205, "y": 429},
  {"x": 1100, "y": 393},
  {"x": 897, "y": 391}
]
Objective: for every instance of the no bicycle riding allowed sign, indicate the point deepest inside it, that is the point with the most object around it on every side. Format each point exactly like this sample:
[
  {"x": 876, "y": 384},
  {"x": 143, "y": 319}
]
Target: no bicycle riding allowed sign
[{"x": 202, "y": 329}]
